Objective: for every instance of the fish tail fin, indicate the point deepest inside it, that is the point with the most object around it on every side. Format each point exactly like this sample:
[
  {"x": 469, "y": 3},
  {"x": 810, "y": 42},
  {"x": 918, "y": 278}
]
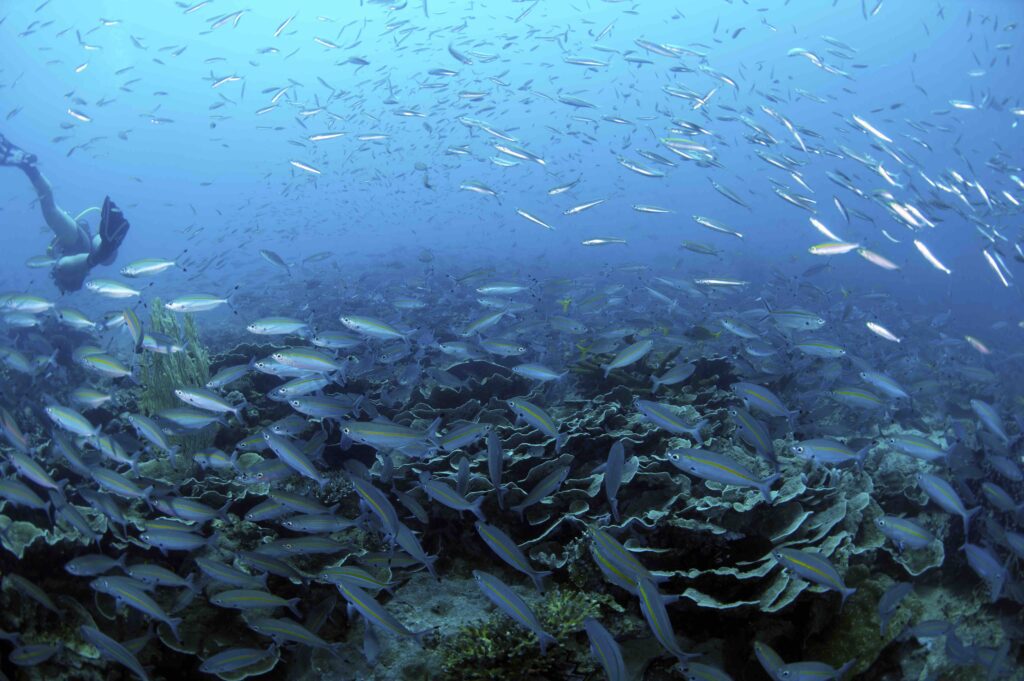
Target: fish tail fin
[
  {"x": 147, "y": 496},
  {"x": 696, "y": 428},
  {"x": 559, "y": 441},
  {"x": 538, "y": 579},
  {"x": 845, "y": 594},
  {"x": 238, "y": 410},
  {"x": 477, "y": 511},
  {"x": 173, "y": 454},
  {"x": 173, "y": 623},
  {"x": 429, "y": 563},
  {"x": 433, "y": 434},
  {"x": 293, "y": 605},
  {"x": 967, "y": 520},
  {"x": 545, "y": 640},
  {"x": 766, "y": 486},
  {"x": 862, "y": 455}
]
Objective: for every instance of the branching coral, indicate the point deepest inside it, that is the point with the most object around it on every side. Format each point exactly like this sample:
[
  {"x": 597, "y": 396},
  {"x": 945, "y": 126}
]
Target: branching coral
[{"x": 161, "y": 373}]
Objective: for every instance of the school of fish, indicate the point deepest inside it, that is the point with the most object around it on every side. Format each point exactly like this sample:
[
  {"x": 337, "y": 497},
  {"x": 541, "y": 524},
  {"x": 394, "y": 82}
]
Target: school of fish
[{"x": 753, "y": 462}]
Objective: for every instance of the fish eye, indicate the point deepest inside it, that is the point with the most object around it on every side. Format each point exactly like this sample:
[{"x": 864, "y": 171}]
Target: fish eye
[
  {"x": 799, "y": 450},
  {"x": 346, "y": 430}
]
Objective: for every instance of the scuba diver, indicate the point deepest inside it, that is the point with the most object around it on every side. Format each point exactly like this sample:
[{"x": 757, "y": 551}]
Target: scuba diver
[{"x": 74, "y": 249}]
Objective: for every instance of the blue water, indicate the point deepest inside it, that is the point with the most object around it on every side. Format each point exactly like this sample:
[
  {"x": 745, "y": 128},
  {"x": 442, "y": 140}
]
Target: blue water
[
  {"x": 370, "y": 203},
  {"x": 196, "y": 120}
]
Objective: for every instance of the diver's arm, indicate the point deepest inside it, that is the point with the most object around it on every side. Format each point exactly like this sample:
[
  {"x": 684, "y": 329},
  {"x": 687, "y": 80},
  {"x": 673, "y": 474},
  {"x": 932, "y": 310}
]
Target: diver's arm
[{"x": 62, "y": 224}]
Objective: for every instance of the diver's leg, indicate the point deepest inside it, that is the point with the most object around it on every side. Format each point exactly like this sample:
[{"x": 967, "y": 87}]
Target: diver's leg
[{"x": 62, "y": 224}]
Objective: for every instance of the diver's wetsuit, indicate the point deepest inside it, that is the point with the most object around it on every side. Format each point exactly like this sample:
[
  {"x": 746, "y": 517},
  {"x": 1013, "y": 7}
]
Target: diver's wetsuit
[{"x": 76, "y": 250}]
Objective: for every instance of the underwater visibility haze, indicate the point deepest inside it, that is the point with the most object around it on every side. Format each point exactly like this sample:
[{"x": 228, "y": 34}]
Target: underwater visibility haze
[{"x": 527, "y": 340}]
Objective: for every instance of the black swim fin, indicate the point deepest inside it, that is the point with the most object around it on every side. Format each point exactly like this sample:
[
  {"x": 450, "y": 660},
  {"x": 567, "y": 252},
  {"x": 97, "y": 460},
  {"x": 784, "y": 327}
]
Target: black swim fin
[
  {"x": 113, "y": 230},
  {"x": 13, "y": 155}
]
